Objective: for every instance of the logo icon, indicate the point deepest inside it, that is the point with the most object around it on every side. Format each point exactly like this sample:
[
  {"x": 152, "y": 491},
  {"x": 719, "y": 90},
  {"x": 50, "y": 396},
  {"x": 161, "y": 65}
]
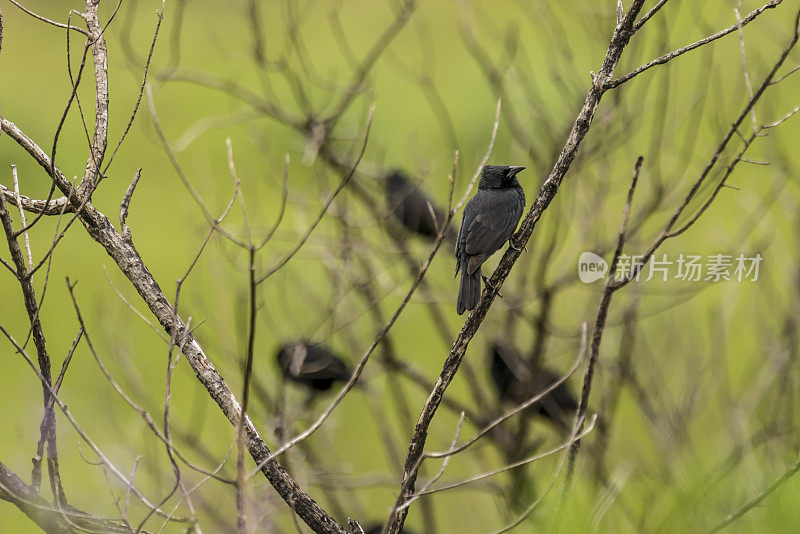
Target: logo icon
[{"x": 591, "y": 267}]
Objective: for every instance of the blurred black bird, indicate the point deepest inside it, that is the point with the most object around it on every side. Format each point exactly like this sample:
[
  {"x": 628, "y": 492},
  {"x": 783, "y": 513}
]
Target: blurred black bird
[
  {"x": 312, "y": 365},
  {"x": 518, "y": 380},
  {"x": 490, "y": 218},
  {"x": 414, "y": 209}
]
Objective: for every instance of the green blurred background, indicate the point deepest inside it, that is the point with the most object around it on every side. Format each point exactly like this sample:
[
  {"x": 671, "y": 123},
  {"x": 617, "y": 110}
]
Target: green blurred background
[{"x": 711, "y": 421}]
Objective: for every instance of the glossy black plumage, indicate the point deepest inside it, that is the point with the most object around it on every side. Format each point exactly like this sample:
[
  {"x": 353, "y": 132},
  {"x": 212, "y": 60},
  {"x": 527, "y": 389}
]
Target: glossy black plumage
[
  {"x": 518, "y": 380},
  {"x": 312, "y": 365},
  {"x": 490, "y": 218},
  {"x": 411, "y": 207}
]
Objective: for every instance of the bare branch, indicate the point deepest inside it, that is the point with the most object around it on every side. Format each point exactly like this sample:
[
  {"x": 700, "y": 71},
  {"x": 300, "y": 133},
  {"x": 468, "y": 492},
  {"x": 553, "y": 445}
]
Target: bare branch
[
  {"x": 755, "y": 501},
  {"x": 21, "y": 216},
  {"x": 403, "y": 15},
  {"x": 283, "y": 261},
  {"x": 513, "y": 465},
  {"x": 48, "y": 426},
  {"x": 439, "y": 474},
  {"x": 68, "y": 415},
  {"x": 620, "y": 38},
  {"x": 361, "y": 364},
  {"x": 40, "y": 157},
  {"x": 688, "y": 48},
  {"x": 599, "y": 326},
  {"x": 35, "y": 205},
  {"x": 241, "y": 481},
  {"x": 48, "y": 517},
  {"x": 51, "y": 22},
  {"x": 669, "y": 232},
  {"x": 99, "y": 142},
  {"x": 647, "y": 16},
  {"x": 745, "y": 70},
  {"x": 144, "y": 414},
  {"x": 141, "y": 87},
  {"x": 125, "y": 204}
]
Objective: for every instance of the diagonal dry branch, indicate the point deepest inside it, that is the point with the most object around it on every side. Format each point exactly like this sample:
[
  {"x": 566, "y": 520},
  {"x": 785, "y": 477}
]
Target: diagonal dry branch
[
  {"x": 613, "y": 284},
  {"x": 48, "y": 517},
  {"x": 670, "y": 231},
  {"x": 755, "y": 501},
  {"x": 599, "y": 326},
  {"x": 380, "y": 336},
  {"x": 121, "y": 249},
  {"x": 100, "y": 138},
  {"x": 747, "y": 19},
  {"x": 36, "y": 205},
  {"x": 601, "y": 82},
  {"x": 84, "y": 436},
  {"x": 48, "y": 426},
  {"x": 620, "y": 38}
]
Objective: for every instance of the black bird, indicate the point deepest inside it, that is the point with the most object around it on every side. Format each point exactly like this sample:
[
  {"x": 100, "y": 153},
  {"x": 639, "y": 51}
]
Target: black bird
[
  {"x": 517, "y": 381},
  {"x": 490, "y": 218},
  {"x": 412, "y": 208},
  {"x": 312, "y": 365}
]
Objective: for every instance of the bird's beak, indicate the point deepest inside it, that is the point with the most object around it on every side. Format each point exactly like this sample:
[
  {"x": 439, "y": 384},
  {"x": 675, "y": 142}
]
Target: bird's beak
[{"x": 516, "y": 170}]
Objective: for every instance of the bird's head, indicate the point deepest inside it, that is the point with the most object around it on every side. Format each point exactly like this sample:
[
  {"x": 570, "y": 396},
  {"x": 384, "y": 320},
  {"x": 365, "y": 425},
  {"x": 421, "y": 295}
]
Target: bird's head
[
  {"x": 499, "y": 177},
  {"x": 397, "y": 181}
]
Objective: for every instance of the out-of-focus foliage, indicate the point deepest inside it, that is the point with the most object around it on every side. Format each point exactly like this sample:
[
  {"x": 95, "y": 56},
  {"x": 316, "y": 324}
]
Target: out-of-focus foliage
[{"x": 709, "y": 419}]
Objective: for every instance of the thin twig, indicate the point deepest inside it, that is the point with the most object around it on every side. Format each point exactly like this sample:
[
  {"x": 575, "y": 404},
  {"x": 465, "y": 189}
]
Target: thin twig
[
  {"x": 755, "y": 501},
  {"x": 484, "y": 159},
  {"x": 647, "y": 16},
  {"x": 599, "y": 326},
  {"x": 144, "y": 414},
  {"x": 283, "y": 261},
  {"x": 697, "y": 44},
  {"x": 534, "y": 458},
  {"x": 85, "y": 437},
  {"x": 51, "y": 22},
  {"x": 361, "y": 364},
  {"x": 619, "y": 40},
  {"x": 126, "y": 202},
  {"x": 160, "y": 15},
  {"x": 21, "y": 216},
  {"x": 745, "y": 70},
  {"x": 241, "y": 481}
]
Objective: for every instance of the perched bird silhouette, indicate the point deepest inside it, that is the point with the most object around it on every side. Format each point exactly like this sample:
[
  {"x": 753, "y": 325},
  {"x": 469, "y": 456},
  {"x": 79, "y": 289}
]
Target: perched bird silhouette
[
  {"x": 518, "y": 380},
  {"x": 414, "y": 209},
  {"x": 490, "y": 218},
  {"x": 312, "y": 365}
]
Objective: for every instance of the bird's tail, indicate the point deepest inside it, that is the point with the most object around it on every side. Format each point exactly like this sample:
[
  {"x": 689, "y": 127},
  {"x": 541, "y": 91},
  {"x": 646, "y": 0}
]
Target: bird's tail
[{"x": 469, "y": 292}]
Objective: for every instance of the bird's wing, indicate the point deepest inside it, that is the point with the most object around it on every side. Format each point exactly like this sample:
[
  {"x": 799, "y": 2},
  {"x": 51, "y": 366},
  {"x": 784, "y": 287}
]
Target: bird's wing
[
  {"x": 422, "y": 213},
  {"x": 562, "y": 395},
  {"x": 471, "y": 210},
  {"x": 491, "y": 227},
  {"x": 321, "y": 364}
]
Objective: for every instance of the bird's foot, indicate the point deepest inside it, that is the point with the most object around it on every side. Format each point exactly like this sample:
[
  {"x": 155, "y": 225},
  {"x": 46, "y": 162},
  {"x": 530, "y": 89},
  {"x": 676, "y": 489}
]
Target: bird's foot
[
  {"x": 490, "y": 285},
  {"x": 512, "y": 242}
]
